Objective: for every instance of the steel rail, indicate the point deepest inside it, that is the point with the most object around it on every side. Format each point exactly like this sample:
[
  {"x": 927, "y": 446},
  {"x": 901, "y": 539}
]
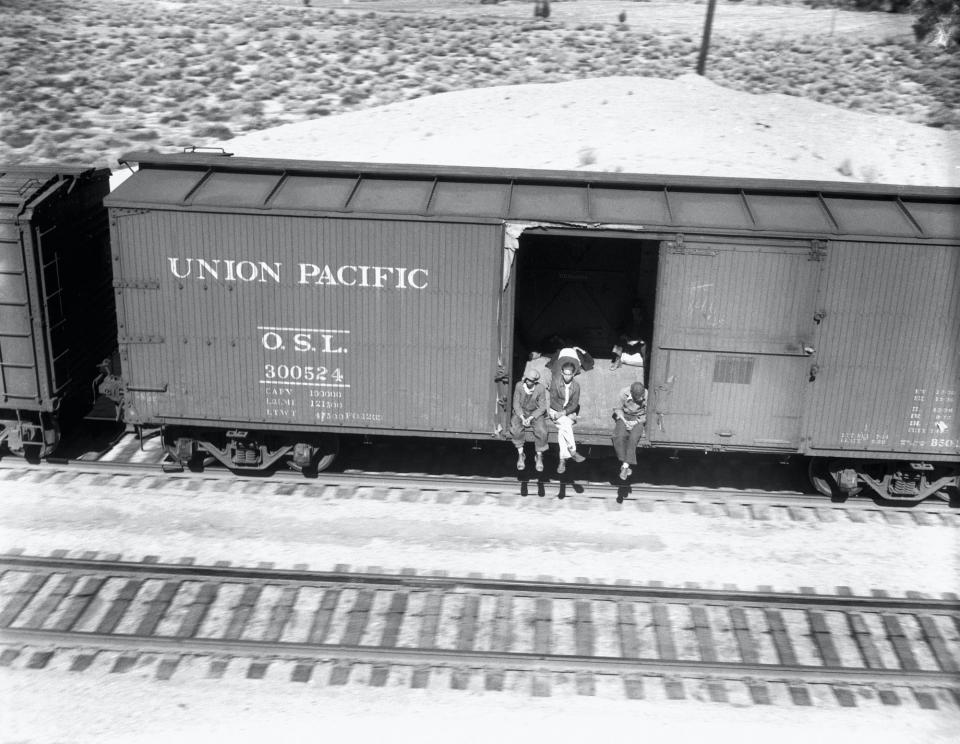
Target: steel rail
[
  {"x": 305, "y": 578},
  {"x": 510, "y": 485},
  {"x": 296, "y": 651}
]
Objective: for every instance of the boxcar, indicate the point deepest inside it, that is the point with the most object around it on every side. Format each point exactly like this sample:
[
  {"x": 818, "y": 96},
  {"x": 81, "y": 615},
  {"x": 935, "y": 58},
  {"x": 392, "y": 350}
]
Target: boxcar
[
  {"x": 266, "y": 306},
  {"x": 56, "y": 303}
]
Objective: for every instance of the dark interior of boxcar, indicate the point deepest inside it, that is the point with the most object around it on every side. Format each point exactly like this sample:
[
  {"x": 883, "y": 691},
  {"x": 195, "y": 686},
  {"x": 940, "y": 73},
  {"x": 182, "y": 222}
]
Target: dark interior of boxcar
[{"x": 587, "y": 290}]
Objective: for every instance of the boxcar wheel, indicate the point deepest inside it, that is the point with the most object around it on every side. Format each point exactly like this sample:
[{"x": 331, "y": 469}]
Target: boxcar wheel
[
  {"x": 38, "y": 444},
  {"x": 820, "y": 478},
  {"x": 325, "y": 461}
]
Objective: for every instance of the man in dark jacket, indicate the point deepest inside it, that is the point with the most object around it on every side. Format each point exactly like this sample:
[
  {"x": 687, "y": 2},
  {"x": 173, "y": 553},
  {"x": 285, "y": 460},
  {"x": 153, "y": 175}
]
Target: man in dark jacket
[{"x": 529, "y": 412}]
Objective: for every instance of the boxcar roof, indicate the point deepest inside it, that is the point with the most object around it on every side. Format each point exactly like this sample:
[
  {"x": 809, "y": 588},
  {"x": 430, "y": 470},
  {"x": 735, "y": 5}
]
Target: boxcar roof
[
  {"x": 680, "y": 203},
  {"x": 21, "y": 184}
]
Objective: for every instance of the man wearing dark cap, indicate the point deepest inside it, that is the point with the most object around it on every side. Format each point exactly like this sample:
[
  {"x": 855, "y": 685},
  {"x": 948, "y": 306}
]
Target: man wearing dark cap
[
  {"x": 631, "y": 417},
  {"x": 529, "y": 409}
]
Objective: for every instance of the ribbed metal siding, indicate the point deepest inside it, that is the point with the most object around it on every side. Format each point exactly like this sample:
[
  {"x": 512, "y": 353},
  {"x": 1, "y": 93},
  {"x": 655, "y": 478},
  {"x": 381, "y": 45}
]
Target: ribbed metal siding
[
  {"x": 888, "y": 350},
  {"x": 416, "y": 359},
  {"x": 729, "y": 366},
  {"x": 18, "y": 363}
]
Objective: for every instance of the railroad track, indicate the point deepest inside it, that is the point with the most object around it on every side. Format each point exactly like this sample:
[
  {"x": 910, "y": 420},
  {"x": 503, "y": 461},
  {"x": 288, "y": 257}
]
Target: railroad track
[
  {"x": 895, "y": 649},
  {"x": 132, "y": 463}
]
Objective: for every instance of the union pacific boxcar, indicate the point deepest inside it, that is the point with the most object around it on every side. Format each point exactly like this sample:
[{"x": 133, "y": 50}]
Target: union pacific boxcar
[
  {"x": 265, "y": 306},
  {"x": 56, "y": 303}
]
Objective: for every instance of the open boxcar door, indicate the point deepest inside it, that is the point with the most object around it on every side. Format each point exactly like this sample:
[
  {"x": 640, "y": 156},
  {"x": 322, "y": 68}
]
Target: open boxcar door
[{"x": 732, "y": 344}]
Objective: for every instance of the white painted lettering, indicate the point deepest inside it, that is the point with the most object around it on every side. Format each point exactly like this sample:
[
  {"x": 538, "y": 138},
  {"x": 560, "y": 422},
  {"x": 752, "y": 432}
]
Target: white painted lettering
[
  {"x": 272, "y": 341},
  {"x": 380, "y": 274},
  {"x": 343, "y": 281},
  {"x": 363, "y": 276},
  {"x": 326, "y": 277},
  {"x": 301, "y": 342},
  {"x": 308, "y": 271},
  {"x": 413, "y": 282},
  {"x": 272, "y": 271},
  {"x": 175, "y": 263},
  {"x": 202, "y": 264}
]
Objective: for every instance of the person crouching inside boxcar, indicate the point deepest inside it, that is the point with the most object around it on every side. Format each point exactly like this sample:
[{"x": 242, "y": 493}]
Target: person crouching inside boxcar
[
  {"x": 631, "y": 417},
  {"x": 529, "y": 412},
  {"x": 564, "y": 406}
]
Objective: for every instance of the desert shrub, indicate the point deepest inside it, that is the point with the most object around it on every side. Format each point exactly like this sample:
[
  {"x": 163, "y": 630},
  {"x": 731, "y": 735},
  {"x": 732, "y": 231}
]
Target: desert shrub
[
  {"x": 19, "y": 138},
  {"x": 213, "y": 131}
]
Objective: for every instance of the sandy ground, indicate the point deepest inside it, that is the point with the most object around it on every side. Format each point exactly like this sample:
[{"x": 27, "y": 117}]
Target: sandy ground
[
  {"x": 643, "y": 125},
  {"x": 539, "y": 537}
]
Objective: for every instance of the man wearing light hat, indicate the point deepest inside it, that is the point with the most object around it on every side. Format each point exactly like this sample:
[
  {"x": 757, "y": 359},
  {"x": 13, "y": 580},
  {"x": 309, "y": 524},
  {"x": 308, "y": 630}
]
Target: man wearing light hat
[
  {"x": 529, "y": 409},
  {"x": 631, "y": 417}
]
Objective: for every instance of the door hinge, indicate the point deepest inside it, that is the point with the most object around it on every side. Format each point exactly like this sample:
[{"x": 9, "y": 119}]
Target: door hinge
[
  {"x": 136, "y": 284},
  {"x": 818, "y": 250},
  {"x": 140, "y": 339}
]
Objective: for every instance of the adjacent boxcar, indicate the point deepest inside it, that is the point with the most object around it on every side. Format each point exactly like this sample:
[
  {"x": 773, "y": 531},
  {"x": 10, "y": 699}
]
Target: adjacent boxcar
[
  {"x": 56, "y": 303},
  {"x": 266, "y": 305}
]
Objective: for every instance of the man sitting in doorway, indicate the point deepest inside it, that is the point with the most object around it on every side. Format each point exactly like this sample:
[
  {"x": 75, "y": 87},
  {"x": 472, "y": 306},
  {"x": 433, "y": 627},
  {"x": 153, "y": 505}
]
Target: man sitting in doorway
[
  {"x": 564, "y": 405},
  {"x": 631, "y": 417},
  {"x": 529, "y": 412},
  {"x": 631, "y": 349}
]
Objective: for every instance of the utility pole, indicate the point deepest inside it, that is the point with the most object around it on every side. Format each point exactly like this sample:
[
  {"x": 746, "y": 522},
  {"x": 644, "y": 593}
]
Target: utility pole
[{"x": 705, "y": 44}]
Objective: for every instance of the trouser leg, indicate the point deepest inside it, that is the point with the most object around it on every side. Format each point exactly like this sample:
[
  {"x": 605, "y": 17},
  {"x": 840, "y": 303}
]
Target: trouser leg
[
  {"x": 620, "y": 437},
  {"x": 631, "y": 444},
  {"x": 540, "y": 434},
  {"x": 516, "y": 431},
  {"x": 565, "y": 439}
]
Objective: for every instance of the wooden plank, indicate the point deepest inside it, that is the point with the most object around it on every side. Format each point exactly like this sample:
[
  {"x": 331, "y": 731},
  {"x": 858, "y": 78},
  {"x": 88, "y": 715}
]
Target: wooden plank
[
  {"x": 51, "y": 602},
  {"x": 430, "y": 620},
  {"x": 743, "y": 636},
  {"x": 781, "y": 639},
  {"x": 703, "y": 632},
  {"x": 663, "y": 631},
  {"x": 119, "y": 606},
  {"x": 820, "y": 632},
  {"x": 167, "y": 667},
  {"x": 937, "y": 644},
  {"x": 633, "y": 686},
  {"x": 542, "y": 626},
  {"x": 502, "y": 638},
  {"x": 320, "y": 627},
  {"x": 394, "y": 619},
  {"x": 242, "y": 611},
  {"x": 864, "y": 640},
  {"x": 157, "y": 608},
  {"x": 302, "y": 672},
  {"x": 357, "y": 618},
  {"x": 467, "y": 632},
  {"x": 197, "y": 611},
  {"x": 280, "y": 614},
  {"x": 583, "y": 630},
  {"x": 21, "y": 598},
  {"x": 900, "y": 642},
  {"x": 627, "y": 630},
  {"x": 379, "y": 675},
  {"x": 78, "y": 603}
]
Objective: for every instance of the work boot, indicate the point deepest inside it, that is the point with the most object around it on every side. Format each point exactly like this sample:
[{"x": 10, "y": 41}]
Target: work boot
[
  {"x": 521, "y": 460},
  {"x": 577, "y": 457},
  {"x": 625, "y": 471},
  {"x": 562, "y": 466},
  {"x": 538, "y": 462}
]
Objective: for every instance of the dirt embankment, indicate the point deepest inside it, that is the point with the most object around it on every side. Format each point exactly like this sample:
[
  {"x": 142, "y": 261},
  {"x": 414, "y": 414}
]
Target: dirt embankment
[{"x": 86, "y": 80}]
